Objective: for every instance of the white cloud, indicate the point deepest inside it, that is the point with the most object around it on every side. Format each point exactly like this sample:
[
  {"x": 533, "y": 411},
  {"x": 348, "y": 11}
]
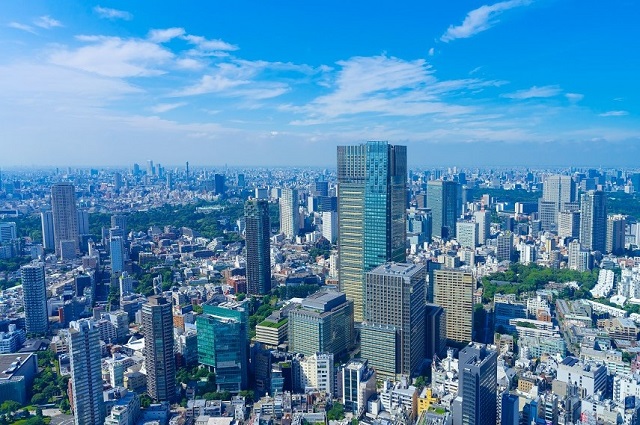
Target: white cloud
[
  {"x": 534, "y": 92},
  {"x": 190, "y": 64},
  {"x": 164, "y": 35},
  {"x": 211, "y": 84},
  {"x": 166, "y": 107},
  {"x": 480, "y": 19},
  {"x": 574, "y": 97},
  {"x": 114, "y": 57},
  {"x": 108, "y": 13},
  {"x": 47, "y": 22},
  {"x": 432, "y": 51},
  {"x": 22, "y": 27},
  {"x": 206, "y": 45},
  {"x": 614, "y": 114}
]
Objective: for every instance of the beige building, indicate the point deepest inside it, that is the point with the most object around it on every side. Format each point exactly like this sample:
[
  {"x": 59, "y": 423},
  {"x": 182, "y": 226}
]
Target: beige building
[{"x": 453, "y": 291}]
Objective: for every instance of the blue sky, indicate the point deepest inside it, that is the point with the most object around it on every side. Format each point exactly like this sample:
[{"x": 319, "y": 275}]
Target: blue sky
[{"x": 468, "y": 83}]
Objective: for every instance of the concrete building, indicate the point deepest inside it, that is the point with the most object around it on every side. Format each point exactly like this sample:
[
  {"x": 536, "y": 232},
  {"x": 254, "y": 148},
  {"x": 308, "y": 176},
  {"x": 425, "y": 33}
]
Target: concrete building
[
  {"x": 483, "y": 218},
  {"x": 569, "y": 224},
  {"x": 289, "y": 214},
  {"x": 330, "y": 226},
  {"x": 358, "y": 385},
  {"x": 48, "y": 239},
  {"x": 258, "y": 243},
  {"x": 590, "y": 378},
  {"x": 467, "y": 234},
  {"x": 453, "y": 291},
  {"x": 17, "y": 372},
  {"x": 372, "y": 181},
  {"x": 477, "y": 387},
  {"x": 86, "y": 373},
  {"x": 442, "y": 199},
  {"x": 616, "y": 228},
  {"x": 317, "y": 372},
  {"x": 65, "y": 216},
  {"x": 35, "y": 298},
  {"x": 593, "y": 221},
  {"x": 157, "y": 322}
]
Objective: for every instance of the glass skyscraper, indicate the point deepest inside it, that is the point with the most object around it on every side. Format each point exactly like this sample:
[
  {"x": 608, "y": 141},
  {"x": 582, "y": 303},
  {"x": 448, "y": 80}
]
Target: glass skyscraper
[
  {"x": 442, "y": 198},
  {"x": 372, "y": 180},
  {"x": 257, "y": 237}
]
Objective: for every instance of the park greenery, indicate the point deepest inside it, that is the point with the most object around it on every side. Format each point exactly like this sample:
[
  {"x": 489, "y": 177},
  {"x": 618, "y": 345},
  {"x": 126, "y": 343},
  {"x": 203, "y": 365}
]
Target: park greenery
[
  {"x": 521, "y": 279},
  {"x": 49, "y": 385}
]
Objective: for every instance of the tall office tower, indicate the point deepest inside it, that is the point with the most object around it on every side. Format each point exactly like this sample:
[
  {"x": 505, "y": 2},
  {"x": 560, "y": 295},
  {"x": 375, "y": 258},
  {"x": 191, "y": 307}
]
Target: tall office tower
[
  {"x": 467, "y": 234},
  {"x": 483, "y": 218},
  {"x": 48, "y": 239},
  {"x": 35, "y": 298},
  {"x": 548, "y": 215},
  {"x": 395, "y": 294},
  {"x": 83, "y": 222},
  {"x": 442, "y": 198},
  {"x": 477, "y": 386},
  {"x": 322, "y": 324},
  {"x": 569, "y": 224},
  {"x": 358, "y": 385},
  {"x": 578, "y": 258},
  {"x": 319, "y": 188},
  {"x": 435, "y": 331},
  {"x": 117, "y": 181},
  {"x": 223, "y": 341},
  {"x": 372, "y": 180},
  {"x": 616, "y": 228},
  {"x": 593, "y": 221},
  {"x": 330, "y": 226},
  {"x": 289, "y": 213},
  {"x": 65, "y": 217},
  {"x": 257, "y": 237},
  {"x": 119, "y": 221},
  {"x": 151, "y": 170},
  {"x": 453, "y": 291},
  {"x": 218, "y": 184},
  {"x": 241, "y": 182},
  {"x": 504, "y": 246},
  {"x": 116, "y": 248},
  {"x": 8, "y": 232},
  {"x": 509, "y": 413},
  {"x": 126, "y": 284},
  {"x": 561, "y": 190},
  {"x": 157, "y": 321},
  {"x": 86, "y": 372}
]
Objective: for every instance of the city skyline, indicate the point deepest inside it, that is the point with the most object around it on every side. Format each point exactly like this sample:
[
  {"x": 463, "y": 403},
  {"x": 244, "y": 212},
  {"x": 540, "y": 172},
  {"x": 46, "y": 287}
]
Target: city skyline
[{"x": 497, "y": 83}]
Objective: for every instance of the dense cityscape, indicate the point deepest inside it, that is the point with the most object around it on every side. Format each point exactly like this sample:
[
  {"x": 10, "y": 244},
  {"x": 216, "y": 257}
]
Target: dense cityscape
[{"x": 365, "y": 293}]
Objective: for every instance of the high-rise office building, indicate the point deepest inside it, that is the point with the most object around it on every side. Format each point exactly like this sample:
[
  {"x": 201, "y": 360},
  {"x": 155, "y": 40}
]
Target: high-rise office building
[
  {"x": 561, "y": 191},
  {"x": 223, "y": 341},
  {"x": 35, "y": 298},
  {"x": 330, "y": 226},
  {"x": 467, "y": 234},
  {"x": 219, "y": 187},
  {"x": 372, "y": 180},
  {"x": 117, "y": 251},
  {"x": 157, "y": 322},
  {"x": 435, "y": 331},
  {"x": 48, "y": 239},
  {"x": 289, "y": 213},
  {"x": 453, "y": 291},
  {"x": 86, "y": 372},
  {"x": 616, "y": 228},
  {"x": 504, "y": 246},
  {"x": 483, "y": 218},
  {"x": 83, "y": 222},
  {"x": 8, "y": 232},
  {"x": 322, "y": 324},
  {"x": 477, "y": 386},
  {"x": 569, "y": 224},
  {"x": 119, "y": 221},
  {"x": 593, "y": 221},
  {"x": 65, "y": 216},
  {"x": 395, "y": 294},
  {"x": 258, "y": 242},
  {"x": 442, "y": 198}
]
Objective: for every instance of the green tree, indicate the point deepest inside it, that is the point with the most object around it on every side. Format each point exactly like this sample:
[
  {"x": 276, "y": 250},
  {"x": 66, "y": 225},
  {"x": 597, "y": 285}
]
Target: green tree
[{"x": 336, "y": 413}]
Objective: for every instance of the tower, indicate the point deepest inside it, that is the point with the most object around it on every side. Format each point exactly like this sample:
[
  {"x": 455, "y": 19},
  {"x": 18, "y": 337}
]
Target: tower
[
  {"x": 372, "y": 180},
  {"x": 257, "y": 237},
  {"x": 35, "y": 298},
  {"x": 289, "y": 213},
  {"x": 65, "y": 216},
  {"x": 442, "y": 198},
  {"x": 477, "y": 385},
  {"x": 395, "y": 294},
  {"x": 157, "y": 320},
  {"x": 86, "y": 372},
  {"x": 593, "y": 221},
  {"x": 48, "y": 239},
  {"x": 116, "y": 247},
  {"x": 453, "y": 291}
]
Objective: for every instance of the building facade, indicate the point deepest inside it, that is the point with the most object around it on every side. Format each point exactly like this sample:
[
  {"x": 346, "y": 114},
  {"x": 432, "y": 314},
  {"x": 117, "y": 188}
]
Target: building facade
[
  {"x": 35, "y": 298},
  {"x": 65, "y": 215},
  {"x": 257, "y": 236},
  {"x": 157, "y": 321}
]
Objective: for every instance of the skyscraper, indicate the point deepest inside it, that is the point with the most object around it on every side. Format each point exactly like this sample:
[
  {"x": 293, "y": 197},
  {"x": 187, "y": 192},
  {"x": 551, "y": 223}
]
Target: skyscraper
[
  {"x": 223, "y": 339},
  {"x": 157, "y": 321},
  {"x": 8, "y": 232},
  {"x": 257, "y": 237},
  {"x": 116, "y": 248},
  {"x": 442, "y": 198},
  {"x": 561, "y": 190},
  {"x": 453, "y": 291},
  {"x": 477, "y": 385},
  {"x": 48, "y": 239},
  {"x": 372, "y": 179},
  {"x": 289, "y": 213},
  {"x": 120, "y": 221},
  {"x": 616, "y": 227},
  {"x": 65, "y": 216},
  {"x": 86, "y": 372},
  {"x": 395, "y": 294},
  {"x": 35, "y": 298},
  {"x": 593, "y": 221},
  {"x": 483, "y": 218}
]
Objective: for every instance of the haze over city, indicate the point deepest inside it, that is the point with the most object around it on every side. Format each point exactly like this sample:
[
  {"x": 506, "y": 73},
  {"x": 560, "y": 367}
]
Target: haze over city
[{"x": 515, "y": 82}]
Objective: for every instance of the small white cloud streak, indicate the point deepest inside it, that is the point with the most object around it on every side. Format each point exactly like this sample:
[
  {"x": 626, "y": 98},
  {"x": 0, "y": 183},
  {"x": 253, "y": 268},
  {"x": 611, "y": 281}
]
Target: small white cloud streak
[
  {"x": 164, "y": 35},
  {"x": 209, "y": 45},
  {"x": 574, "y": 97},
  {"x": 614, "y": 114},
  {"x": 47, "y": 22},
  {"x": 108, "y": 13},
  {"x": 534, "y": 92},
  {"x": 21, "y": 27},
  {"x": 480, "y": 19},
  {"x": 166, "y": 107}
]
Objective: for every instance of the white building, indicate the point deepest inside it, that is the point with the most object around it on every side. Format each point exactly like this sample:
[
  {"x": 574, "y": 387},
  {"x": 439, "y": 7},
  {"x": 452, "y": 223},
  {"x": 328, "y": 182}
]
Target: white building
[
  {"x": 589, "y": 377},
  {"x": 317, "y": 372},
  {"x": 330, "y": 225}
]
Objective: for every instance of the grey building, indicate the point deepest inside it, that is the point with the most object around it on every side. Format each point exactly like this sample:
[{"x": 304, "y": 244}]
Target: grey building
[
  {"x": 65, "y": 216},
  {"x": 442, "y": 199},
  {"x": 477, "y": 386},
  {"x": 35, "y": 298},
  {"x": 157, "y": 322},
  {"x": 593, "y": 221},
  {"x": 257, "y": 236}
]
